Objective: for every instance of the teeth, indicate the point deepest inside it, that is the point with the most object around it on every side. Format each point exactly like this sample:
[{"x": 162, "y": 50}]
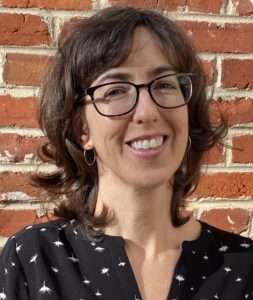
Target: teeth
[{"x": 147, "y": 144}]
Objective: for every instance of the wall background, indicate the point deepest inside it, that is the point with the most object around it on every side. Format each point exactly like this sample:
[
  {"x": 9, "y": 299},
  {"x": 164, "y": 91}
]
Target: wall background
[{"x": 222, "y": 33}]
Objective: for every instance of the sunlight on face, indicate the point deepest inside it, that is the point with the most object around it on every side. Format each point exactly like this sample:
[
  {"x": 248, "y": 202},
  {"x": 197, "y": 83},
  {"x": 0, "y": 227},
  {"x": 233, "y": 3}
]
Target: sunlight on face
[{"x": 145, "y": 147}]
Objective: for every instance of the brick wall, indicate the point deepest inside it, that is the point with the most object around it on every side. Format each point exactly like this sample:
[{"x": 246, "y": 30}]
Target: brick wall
[{"x": 221, "y": 31}]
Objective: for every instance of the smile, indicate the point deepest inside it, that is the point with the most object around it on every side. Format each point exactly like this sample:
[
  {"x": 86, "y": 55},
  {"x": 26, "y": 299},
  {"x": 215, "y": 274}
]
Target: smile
[{"x": 147, "y": 144}]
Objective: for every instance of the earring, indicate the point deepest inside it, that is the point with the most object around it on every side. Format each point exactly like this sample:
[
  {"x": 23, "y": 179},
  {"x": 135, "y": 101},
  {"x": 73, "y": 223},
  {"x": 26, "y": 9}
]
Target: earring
[
  {"x": 189, "y": 144},
  {"x": 89, "y": 157}
]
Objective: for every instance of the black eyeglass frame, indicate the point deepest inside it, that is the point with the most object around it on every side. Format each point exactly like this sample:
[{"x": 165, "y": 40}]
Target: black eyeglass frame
[{"x": 90, "y": 92}]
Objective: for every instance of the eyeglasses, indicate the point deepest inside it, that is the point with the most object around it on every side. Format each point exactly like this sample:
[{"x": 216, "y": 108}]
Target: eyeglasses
[{"x": 119, "y": 98}]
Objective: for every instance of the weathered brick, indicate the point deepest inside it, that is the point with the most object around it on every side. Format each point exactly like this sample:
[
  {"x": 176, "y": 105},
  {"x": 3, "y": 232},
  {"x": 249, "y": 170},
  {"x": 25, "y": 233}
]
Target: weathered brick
[
  {"x": 213, "y": 156},
  {"x": 208, "y": 71},
  {"x": 18, "y": 112},
  {"x": 17, "y": 148},
  {"x": 18, "y": 182},
  {"x": 237, "y": 73},
  {"x": 205, "y": 6},
  {"x": 225, "y": 185},
  {"x": 243, "y": 7},
  {"x": 243, "y": 149},
  {"x": 23, "y": 30},
  {"x": 212, "y": 37},
  {"x": 25, "y": 69},
  {"x": 238, "y": 111},
  {"x": 49, "y": 4},
  {"x": 234, "y": 220},
  {"x": 14, "y": 220},
  {"x": 11, "y": 221}
]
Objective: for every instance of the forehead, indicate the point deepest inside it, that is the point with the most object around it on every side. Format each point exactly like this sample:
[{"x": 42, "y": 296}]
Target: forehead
[
  {"x": 146, "y": 50},
  {"x": 145, "y": 59}
]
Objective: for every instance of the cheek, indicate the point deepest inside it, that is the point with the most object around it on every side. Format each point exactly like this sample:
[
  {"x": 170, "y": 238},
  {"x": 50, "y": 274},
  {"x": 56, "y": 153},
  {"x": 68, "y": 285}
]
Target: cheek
[
  {"x": 107, "y": 135},
  {"x": 179, "y": 121}
]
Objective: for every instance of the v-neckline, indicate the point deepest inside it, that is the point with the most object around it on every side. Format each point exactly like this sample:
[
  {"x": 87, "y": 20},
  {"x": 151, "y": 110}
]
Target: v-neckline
[{"x": 128, "y": 280}]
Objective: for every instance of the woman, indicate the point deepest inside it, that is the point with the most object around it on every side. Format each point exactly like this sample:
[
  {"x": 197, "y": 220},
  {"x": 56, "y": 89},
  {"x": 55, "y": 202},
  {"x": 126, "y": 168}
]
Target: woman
[{"x": 125, "y": 111}]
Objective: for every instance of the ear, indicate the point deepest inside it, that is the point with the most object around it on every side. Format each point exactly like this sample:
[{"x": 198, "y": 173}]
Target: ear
[{"x": 86, "y": 139}]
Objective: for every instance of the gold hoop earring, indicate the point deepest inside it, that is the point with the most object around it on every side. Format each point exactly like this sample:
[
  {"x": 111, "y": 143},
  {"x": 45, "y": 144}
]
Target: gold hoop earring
[{"x": 89, "y": 157}]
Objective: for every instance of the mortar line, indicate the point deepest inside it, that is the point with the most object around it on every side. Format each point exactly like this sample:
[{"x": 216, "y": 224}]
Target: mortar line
[{"x": 175, "y": 15}]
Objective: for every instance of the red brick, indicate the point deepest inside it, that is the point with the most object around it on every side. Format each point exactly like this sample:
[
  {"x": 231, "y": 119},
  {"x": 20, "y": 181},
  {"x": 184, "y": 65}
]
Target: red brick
[
  {"x": 25, "y": 69},
  {"x": 18, "y": 182},
  {"x": 212, "y": 37},
  {"x": 233, "y": 220},
  {"x": 18, "y": 112},
  {"x": 49, "y": 4},
  {"x": 205, "y": 6},
  {"x": 225, "y": 185},
  {"x": 237, "y": 73},
  {"x": 14, "y": 147},
  {"x": 243, "y": 152},
  {"x": 213, "y": 156},
  {"x": 238, "y": 111},
  {"x": 14, "y": 220},
  {"x": 243, "y": 7},
  {"x": 23, "y": 30},
  {"x": 208, "y": 71},
  {"x": 160, "y": 4}
]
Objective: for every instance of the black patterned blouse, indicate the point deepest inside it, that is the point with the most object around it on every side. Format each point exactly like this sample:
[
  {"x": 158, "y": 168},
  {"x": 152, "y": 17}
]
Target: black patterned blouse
[{"x": 52, "y": 261}]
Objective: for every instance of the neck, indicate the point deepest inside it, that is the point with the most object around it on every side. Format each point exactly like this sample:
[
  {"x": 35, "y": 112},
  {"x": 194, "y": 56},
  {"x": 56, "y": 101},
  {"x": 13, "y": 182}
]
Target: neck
[{"x": 141, "y": 216}]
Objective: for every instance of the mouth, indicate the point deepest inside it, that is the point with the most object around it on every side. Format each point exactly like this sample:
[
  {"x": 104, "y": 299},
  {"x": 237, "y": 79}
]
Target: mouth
[{"x": 146, "y": 144}]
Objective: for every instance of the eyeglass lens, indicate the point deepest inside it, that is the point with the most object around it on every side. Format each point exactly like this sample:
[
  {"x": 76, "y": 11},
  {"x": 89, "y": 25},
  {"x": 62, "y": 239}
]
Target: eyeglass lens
[{"x": 119, "y": 98}]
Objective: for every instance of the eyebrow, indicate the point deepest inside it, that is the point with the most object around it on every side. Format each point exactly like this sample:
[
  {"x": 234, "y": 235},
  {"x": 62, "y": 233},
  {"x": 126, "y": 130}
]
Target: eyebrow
[
  {"x": 114, "y": 75},
  {"x": 126, "y": 76},
  {"x": 161, "y": 69}
]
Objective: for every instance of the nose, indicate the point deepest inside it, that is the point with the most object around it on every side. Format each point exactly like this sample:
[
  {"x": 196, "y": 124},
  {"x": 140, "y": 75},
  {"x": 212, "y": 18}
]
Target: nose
[{"x": 146, "y": 110}]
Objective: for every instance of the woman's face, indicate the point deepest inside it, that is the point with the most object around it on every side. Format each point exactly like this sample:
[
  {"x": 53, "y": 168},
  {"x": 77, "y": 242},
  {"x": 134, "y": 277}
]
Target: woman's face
[{"x": 115, "y": 139}]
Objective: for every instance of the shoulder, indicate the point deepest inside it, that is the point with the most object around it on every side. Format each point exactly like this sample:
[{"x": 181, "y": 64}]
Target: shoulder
[
  {"x": 36, "y": 237},
  {"x": 49, "y": 225},
  {"x": 46, "y": 230},
  {"x": 227, "y": 241},
  {"x": 53, "y": 241}
]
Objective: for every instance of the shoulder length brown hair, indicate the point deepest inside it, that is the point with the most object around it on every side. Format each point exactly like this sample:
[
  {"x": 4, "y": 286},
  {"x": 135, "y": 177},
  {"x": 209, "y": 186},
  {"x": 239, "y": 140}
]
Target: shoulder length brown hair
[{"x": 93, "y": 46}]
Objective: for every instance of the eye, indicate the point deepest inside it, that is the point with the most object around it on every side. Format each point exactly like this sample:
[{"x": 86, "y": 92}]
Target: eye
[
  {"x": 164, "y": 85},
  {"x": 116, "y": 92}
]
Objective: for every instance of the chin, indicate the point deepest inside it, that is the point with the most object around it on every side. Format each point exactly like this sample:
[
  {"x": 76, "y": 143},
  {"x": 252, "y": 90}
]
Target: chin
[{"x": 151, "y": 182}]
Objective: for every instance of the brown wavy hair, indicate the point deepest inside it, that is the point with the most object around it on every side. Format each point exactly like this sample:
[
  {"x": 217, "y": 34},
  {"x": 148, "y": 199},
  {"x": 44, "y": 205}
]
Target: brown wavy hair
[{"x": 93, "y": 46}]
